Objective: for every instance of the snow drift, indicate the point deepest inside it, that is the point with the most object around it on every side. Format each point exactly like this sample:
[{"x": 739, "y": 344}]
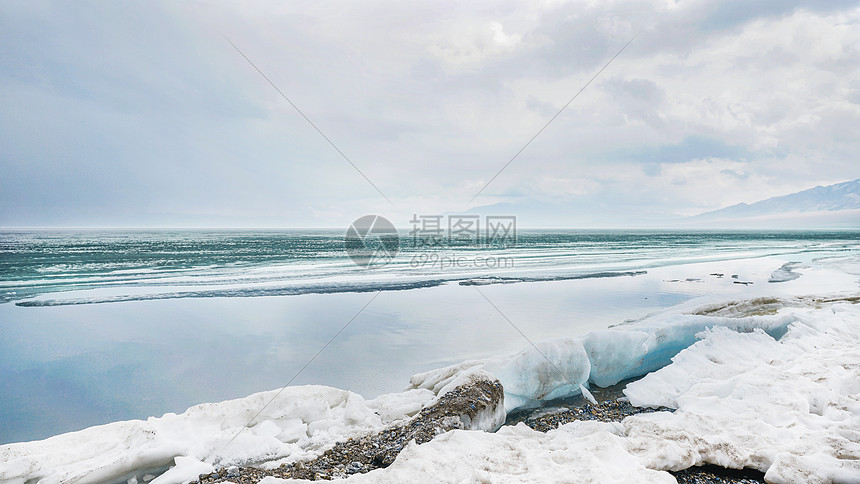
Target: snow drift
[
  {"x": 299, "y": 423},
  {"x": 789, "y": 408}
]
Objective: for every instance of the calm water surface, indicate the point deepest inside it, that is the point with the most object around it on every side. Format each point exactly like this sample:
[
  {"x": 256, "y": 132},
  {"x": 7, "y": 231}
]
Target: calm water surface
[{"x": 185, "y": 329}]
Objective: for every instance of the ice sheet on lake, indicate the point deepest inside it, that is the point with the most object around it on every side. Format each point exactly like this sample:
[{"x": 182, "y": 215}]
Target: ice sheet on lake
[{"x": 785, "y": 273}]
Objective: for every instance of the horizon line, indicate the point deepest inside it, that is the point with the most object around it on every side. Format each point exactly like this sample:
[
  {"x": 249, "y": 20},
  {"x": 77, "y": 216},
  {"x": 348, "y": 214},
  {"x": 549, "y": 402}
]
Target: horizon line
[{"x": 332, "y": 228}]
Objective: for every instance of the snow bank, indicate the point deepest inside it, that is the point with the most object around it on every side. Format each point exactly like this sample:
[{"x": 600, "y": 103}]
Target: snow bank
[
  {"x": 790, "y": 408},
  {"x": 563, "y": 367},
  {"x": 300, "y": 423},
  {"x": 582, "y": 452},
  {"x": 551, "y": 369}
]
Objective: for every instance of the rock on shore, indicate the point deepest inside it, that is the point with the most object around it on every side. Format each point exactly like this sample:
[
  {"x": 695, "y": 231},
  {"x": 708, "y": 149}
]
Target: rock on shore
[{"x": 474, "y": 401}]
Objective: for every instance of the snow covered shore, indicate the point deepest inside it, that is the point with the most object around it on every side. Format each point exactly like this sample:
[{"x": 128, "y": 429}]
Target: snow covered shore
[
  {"x": 771, "y": 383},
  {"x": 789, "y": 408}
]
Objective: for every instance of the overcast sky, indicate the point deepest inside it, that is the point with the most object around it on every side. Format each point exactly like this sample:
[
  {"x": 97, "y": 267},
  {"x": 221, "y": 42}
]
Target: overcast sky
[{"x": 142, "y": 114}]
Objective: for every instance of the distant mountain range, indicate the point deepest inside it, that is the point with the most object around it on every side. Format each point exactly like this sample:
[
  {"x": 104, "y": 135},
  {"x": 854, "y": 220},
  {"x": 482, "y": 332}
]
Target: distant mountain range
[{"x": 831, "y": 206}]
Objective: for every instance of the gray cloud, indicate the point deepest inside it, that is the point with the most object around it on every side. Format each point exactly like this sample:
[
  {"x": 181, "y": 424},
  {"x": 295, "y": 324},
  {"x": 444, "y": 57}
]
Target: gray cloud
[{"x": 140, "y": 113}]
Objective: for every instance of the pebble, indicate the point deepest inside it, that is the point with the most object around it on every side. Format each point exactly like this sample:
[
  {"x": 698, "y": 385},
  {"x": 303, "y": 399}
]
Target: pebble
[
  {"x": 613, "y": 411},
  {"x": 364, "y": 454},
  {"x": 616, "y": 411},
  {"x": 718, "y": 475}
]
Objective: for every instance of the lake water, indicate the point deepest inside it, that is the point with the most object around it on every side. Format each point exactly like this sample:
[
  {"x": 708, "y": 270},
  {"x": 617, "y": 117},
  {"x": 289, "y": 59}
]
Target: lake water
[{"x": 101, "y": 326}]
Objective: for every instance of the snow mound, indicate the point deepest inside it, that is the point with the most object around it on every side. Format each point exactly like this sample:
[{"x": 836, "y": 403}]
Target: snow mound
[
  {"x": 300, "y": 423},
  {"x": 788, "y": 407},
  {"x": 582, "y": 452}
]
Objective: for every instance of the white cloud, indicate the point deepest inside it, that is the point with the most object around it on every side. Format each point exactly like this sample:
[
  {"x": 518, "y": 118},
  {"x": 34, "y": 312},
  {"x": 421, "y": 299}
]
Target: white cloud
[
  {"x": 472, "y": 42},
  {"x": 711, "y": 105}
]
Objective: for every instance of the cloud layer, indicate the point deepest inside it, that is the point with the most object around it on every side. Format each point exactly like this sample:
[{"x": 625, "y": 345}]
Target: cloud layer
[{"x": 142, "y": 114}]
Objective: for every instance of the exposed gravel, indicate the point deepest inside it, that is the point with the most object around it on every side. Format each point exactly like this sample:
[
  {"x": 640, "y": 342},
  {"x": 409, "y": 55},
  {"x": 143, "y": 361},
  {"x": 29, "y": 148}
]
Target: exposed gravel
[
  {"x": 378, "y": 450},
  {"x": 610, "y": 409},
  {"x": 718, "y": 475},
  {"x": 603, "y": 412},
  {"x": 615, "y": 411}
]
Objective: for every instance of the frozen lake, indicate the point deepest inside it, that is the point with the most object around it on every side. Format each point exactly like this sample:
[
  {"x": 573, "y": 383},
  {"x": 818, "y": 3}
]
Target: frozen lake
[{"x": 68, "y": 367}]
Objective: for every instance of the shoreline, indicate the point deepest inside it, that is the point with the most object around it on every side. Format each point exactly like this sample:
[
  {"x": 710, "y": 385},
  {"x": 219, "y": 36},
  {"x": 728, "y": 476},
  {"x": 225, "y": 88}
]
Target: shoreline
[
  {"x": 406, "y": 326},
  {"x": 296, "y": 429},
  {"x": 375, "y": 451}
]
